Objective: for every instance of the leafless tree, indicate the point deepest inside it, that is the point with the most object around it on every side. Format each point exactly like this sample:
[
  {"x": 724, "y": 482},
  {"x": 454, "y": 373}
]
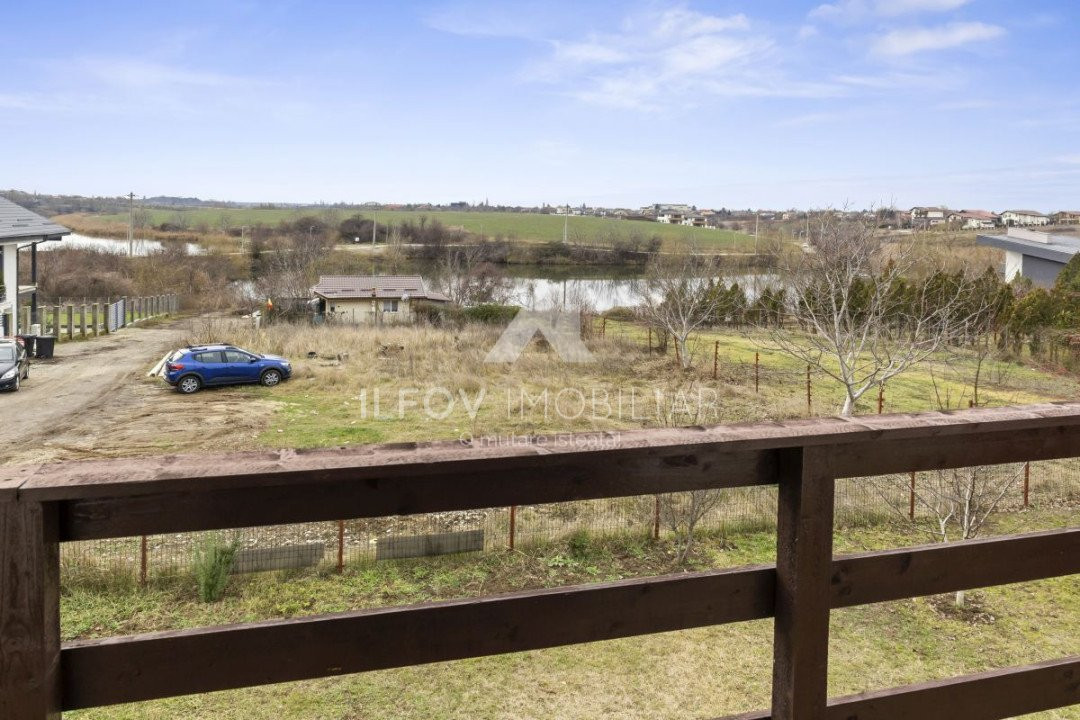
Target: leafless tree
[
  {"x": 860, "y": 314},
  {"x": 952, "y": 504},
  {"x": 676, "y": 297},
  {"x": 288, "y": 267},
  {"x": 467, "y": 279}
]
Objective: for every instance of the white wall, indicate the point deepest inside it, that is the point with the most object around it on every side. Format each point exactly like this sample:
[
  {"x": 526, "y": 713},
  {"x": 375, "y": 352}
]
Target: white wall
[
  {"x": 11, "y": 283},
  {"x": 1014, "y": 264}
]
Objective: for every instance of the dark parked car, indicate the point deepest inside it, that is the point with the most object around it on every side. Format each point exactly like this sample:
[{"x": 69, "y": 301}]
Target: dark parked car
[
  {"x": 193, "y": 368},
  {"x": 14, "y": 364}
]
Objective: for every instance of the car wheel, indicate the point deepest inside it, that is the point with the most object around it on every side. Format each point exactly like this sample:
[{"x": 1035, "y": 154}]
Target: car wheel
[
  {"x": 270, "y": 378},
  {"x": 189, "y": 384},
  {"x": 26, "y": 375},
  {"x": 18, "y": 380}
]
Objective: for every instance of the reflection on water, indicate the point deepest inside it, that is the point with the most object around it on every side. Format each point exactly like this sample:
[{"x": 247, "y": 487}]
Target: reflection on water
[{"x": 140, "y": 247}]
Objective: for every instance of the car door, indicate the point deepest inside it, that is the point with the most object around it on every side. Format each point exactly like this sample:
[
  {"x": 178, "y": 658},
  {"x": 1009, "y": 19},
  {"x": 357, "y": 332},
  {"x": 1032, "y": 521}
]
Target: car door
[
  {"x": 212, "y": 366},
  {"x": 242, "y": 366}
]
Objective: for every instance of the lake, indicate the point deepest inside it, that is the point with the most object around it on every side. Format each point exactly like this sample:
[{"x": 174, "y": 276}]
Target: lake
[{"x": 141, "y": 247}]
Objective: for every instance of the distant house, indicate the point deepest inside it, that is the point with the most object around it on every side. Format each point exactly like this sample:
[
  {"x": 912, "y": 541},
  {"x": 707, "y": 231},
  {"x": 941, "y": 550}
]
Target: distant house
[
  {"x": 1024, "y": 218},
  {"x": 1037, "y": 256},
  {"x": 928, "y": 216},
  {"x": 21, "y": 229},
  {"x": 670, "y": 217},
  {"x": 694, "y": 220},
  {"x": 1066, "y": 217},
  {"x": 975, "y": 219},
  {"x": 371, "y": 299}
]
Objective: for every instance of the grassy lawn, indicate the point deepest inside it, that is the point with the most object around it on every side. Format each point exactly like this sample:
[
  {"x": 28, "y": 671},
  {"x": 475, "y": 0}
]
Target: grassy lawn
[
  {"x": 700, "y": 673},
  {"x": 331, "y": 401},
  {"x": 527, "y": 227}
]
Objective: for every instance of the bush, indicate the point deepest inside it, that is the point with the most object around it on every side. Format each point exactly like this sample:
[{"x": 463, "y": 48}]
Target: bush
[
  {"x": 213, "y": 561},
  {"x": 491, "y": 314}
]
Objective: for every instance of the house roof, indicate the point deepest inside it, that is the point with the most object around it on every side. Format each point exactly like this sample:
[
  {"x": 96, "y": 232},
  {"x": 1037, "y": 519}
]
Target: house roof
[
  {"x": 17, "y": 222},
  {"x": 977, "y": 214},
  {"x": 1058, "y": 248},
  {"x": 378, "y": 286},
  {"x": 1035, "y": 213}
]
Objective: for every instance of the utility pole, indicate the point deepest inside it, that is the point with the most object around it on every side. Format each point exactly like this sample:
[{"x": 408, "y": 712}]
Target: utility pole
[
  {"x": 565, "y": 224},
  {"x": 374, "y": 225},
  {"x": 131, "y": 224}
]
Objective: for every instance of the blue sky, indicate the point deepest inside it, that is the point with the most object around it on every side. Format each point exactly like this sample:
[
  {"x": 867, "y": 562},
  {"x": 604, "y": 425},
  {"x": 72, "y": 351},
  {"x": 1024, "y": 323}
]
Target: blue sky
[{"x": 969, "y": 103}]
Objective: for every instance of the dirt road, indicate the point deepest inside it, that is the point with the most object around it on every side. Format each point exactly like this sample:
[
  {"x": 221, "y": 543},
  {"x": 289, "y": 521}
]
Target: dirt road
[{"x": 94, "y": 400}]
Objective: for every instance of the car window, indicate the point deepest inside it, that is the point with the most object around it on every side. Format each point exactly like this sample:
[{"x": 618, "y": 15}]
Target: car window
[
  {"x": 235, "y": 356},
  {"x": 7, "y": 353},
  {"x": 176, "y": 355},
  {"x": 208, "y": 357}
]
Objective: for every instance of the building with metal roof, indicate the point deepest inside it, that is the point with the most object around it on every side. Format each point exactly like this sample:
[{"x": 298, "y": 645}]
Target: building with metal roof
[
  {"x": 371, "y": 299},
  {"x": 21, "y": 230},
  {"x": 1034, "y": 255}
]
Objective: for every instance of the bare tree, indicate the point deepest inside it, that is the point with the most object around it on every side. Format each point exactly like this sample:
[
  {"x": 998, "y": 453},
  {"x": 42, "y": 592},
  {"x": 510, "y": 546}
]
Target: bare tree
[
  {"x": 860, "y": 314},
  {"x": 951, "y": 504},
  {"x": 467, "y": 279},
  {"x": 676, "y": 297}
]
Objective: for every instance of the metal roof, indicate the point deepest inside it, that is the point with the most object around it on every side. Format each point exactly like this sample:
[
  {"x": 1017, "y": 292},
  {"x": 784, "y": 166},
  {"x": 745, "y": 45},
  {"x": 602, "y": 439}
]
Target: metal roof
[
  {"x": 378, "y": 286},
  {"x": 17, "y": 222},
  {"x": 1060, "y": 248}
]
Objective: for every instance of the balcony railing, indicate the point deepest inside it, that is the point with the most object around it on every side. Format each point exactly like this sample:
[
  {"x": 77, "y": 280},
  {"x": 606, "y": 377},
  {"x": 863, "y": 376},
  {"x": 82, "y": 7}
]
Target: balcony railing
[{"x": 41, "y": 506}]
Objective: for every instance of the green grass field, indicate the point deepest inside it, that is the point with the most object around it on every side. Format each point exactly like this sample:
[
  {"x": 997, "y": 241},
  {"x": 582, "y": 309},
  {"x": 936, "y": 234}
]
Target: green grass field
[
  {"x": 529, "y": 227},
  {"x": 706, "y": 672}
]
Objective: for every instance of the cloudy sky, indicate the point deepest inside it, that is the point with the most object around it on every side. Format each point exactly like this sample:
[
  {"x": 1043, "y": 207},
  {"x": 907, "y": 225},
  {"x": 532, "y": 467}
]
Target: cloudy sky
[{"x": 775, "y": 103}]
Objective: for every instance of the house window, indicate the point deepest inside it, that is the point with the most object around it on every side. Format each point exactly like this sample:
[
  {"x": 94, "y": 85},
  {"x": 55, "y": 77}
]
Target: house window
[{"x": 390, "y": 306}]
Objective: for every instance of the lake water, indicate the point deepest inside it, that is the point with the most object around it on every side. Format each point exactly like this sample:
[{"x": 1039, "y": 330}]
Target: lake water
[{"x": 141, "y": 247}]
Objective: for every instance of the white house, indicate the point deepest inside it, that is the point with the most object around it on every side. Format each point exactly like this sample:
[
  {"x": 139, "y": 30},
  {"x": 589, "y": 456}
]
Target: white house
[
  {"x": 694, "y": 220},
  {"x": 21, "y": 229},
  {"x": 1037, "y": 256},
  {"x": 1027, "y": 218},
  {"x": 371, "y": 299},
  {"x": 928, "y": 216},
  {"x": 670, "y": 217}
]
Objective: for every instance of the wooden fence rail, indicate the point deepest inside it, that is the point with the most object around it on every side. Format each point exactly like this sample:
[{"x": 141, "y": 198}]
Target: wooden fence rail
[{"x": 41, "y": 506}]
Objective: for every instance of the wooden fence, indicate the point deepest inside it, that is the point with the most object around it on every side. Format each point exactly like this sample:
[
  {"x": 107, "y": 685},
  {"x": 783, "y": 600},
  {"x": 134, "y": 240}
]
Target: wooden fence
[
  {"x": 42, "y": 506},
  {"x": 68, "y": 321}
]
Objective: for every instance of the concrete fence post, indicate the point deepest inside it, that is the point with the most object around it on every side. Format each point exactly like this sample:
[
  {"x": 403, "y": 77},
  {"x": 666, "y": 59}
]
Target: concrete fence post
[
  {"x": 70, "y": 321},
  {"x": 94, "y": 318},
  {"x": 82, "y": 320},
  {"x": 56, "y": 323}
]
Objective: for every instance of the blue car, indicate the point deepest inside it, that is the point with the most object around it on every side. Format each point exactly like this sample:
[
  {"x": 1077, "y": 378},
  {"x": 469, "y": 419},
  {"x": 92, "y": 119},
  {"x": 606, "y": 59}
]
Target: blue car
[{"x": 190, "y": 369}]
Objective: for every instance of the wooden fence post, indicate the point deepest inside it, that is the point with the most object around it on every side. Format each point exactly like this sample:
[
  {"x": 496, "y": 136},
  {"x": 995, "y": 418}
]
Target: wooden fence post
[
  {"x": 715, "y": 359},
  {"x": 29, "y": 609},
  {"x": 757, "y": 371},
  {"x": 911, "y": 498},
  {"x": 803, "y": 585},
  {"x": 880, "y": 398},
  {"x": 142, "y": 560},
  {"x": 809, "y": 403},
  {"x": 513, "y": 524},
  {"x": 656, "y": 520},
  {"x": 1027, "y": 483},
  {"x": 340, "y": 546}
]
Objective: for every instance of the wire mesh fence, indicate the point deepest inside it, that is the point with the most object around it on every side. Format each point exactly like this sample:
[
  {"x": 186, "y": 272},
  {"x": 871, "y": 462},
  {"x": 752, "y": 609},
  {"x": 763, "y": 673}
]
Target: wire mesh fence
[{"x": 859, "y": 501}]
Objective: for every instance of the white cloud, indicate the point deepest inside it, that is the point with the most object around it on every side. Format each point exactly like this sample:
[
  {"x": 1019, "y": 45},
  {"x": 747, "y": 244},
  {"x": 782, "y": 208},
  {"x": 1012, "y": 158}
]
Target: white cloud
[
  {"x": 853, "y": 11},
  {"x": 915, "y": 40},
  {"x": 807, "y": 31},
  {"x": 128, "y": 72},
  {"x": 903, "y": 7},
  {"x": 676, "y": 55}
]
